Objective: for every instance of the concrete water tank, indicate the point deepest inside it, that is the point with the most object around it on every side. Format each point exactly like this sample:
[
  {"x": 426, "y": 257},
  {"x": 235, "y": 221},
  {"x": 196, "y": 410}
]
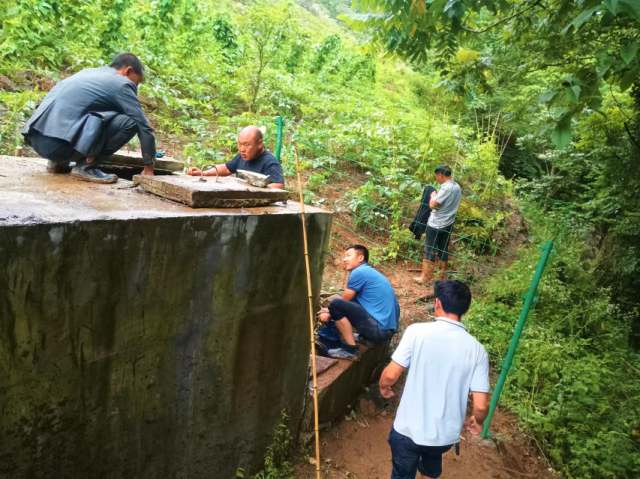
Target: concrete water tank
[{"x": 142, "y": 338}]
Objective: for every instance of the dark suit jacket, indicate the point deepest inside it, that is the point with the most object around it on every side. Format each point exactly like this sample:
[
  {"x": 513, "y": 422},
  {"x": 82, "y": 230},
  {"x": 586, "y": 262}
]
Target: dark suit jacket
[
  {"x": 76, "y": 109},
  {"x": 419, "y": 224}
]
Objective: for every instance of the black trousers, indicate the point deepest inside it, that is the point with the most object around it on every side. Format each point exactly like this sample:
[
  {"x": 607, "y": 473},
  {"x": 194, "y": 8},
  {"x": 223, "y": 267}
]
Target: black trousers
[
  {"x": 116, "y": 133},
  {"x": 368, "y": 327}
]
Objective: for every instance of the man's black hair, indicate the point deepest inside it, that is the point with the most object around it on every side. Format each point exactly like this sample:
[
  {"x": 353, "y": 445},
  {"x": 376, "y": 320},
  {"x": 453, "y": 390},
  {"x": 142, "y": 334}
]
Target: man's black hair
[
  {"x": 360, "y": 249},
  {"x": 444, "y": 169},
  {"x": 454, "y": 296},
  {"x": 128, "y": 60}
]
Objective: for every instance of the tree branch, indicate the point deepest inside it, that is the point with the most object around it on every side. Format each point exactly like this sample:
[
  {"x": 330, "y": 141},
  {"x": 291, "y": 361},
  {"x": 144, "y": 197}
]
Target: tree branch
[
  {"x": 630, "y": 134},
  {"x": 503, "y": 20}
]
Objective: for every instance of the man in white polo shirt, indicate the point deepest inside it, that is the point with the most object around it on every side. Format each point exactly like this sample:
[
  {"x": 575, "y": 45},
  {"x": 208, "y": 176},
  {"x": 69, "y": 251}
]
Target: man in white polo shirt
[{"x": 445, "y": 363}]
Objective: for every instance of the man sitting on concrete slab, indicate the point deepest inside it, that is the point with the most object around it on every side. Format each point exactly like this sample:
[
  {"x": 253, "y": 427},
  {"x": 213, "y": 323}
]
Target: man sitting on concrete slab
[
  {"x": 89, "y": 116},
  {"x": 368, "y": 304},
  {"x": 444, "y": 205},
  {"x": 444, "y": 364},
  {"x": 252, "y": 156}
]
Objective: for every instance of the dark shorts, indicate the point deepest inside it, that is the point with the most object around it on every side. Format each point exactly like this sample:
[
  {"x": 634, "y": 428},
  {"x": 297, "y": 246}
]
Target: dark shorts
[
  {"x": 437, "y": 243},
  {"x": 366, "y": 326},
  {"x": 408, "y": 457}
]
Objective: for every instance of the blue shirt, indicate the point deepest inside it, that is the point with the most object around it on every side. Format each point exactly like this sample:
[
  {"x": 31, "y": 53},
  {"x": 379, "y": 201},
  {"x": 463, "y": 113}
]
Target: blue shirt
[
  {"x": 265, "y": 164},
  {"x": 375, "y": 294}
]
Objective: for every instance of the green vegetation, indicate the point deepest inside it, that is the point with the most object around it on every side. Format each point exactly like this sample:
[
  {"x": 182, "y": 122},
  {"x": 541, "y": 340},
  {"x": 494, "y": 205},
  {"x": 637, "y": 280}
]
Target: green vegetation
[
  {"x": 532, "y": 103},
  {"x": 276, "y": 459},
  {"x": 560, "y": 79},
  {"x": 371, "y": 124},
  {"x": 574, "y": 383},
  {"x": 585, "y": 44}
]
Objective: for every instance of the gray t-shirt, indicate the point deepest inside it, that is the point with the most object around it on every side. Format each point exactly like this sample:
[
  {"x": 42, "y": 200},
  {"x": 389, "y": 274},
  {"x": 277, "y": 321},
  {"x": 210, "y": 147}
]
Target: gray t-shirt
[{"x": 449, "y": 199}]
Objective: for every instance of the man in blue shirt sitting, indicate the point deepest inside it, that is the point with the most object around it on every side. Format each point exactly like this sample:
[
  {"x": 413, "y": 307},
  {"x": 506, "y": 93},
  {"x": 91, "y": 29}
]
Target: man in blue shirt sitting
[
  {"x": 252, "y": 156},
  {"x": 368, "y": 304}
]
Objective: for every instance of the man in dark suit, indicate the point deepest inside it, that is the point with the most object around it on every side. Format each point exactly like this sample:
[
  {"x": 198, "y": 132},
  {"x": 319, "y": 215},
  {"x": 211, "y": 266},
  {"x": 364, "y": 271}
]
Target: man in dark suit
[{"x": 88, "y": 117}]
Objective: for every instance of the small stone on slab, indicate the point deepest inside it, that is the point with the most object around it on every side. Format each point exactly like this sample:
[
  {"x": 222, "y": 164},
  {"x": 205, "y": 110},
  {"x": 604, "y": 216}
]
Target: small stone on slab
[{"x": 254, "y": 179}]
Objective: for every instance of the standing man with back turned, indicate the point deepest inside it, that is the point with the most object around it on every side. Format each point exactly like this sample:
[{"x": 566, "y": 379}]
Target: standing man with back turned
[
  {"x": 444, "y": 205},
  {"x": 444, "y": 363},
  {"x": 89, "y": 116}
]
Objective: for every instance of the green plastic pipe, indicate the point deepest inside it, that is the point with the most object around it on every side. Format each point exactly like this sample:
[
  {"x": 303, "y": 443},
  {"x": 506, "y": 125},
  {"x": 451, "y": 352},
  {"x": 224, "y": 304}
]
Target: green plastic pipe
[
  {"x": 508, "y": 360},
  {"x": 279, "y": 129}
]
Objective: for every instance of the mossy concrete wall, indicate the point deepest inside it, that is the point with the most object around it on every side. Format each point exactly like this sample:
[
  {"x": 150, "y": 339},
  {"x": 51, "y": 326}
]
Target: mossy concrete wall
[{"x": 158, "y": 347}]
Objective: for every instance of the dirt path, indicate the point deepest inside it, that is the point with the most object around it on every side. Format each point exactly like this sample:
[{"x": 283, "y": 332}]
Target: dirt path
[{"x": 356, "y": 447}]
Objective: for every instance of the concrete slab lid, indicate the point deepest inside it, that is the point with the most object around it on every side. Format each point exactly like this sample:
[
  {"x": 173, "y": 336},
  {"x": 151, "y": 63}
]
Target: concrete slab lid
[
  {"x": 211, "y": 191},
  {"x": 130, "y": 158},
  {"x": 28, "y": 194}
]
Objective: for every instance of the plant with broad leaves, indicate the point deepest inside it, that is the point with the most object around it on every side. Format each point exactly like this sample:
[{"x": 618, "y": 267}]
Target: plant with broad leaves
[{"x": 589, "y": 43}]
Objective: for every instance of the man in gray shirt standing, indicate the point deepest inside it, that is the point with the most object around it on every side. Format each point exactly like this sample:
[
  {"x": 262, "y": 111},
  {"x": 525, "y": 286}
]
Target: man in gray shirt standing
[
  {"x": 444, "y": 205},
  {"x": 88, "y": 117}
]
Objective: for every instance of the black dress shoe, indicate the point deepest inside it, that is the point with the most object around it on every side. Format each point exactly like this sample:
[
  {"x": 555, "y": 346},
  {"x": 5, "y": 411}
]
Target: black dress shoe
[{"x": 91, "y": 173}]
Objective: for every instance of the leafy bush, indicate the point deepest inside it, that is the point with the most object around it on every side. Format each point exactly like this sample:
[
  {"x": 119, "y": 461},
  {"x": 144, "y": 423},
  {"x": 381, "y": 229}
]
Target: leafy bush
[
  {"x": 570, "y": 381},
  {"x": 276, "y": 460}
]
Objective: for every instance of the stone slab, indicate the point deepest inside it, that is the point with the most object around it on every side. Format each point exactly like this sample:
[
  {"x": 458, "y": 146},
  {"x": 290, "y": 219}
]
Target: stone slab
[
  {"x": 210, "y": 192},
  {"x": 322, "y": 364},
  {"x": 133, "y": 159},
  {"x": 340, "y": 385},
  {"x": 28, "y": 194}
]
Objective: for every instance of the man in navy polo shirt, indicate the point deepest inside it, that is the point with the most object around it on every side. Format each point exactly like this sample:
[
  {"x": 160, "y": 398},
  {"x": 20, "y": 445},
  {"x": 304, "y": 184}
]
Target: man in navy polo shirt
[
  {"x": 252, "y": 156},
  {"x": 444, "y": 364},
  {"x": 368, "y": 304}
]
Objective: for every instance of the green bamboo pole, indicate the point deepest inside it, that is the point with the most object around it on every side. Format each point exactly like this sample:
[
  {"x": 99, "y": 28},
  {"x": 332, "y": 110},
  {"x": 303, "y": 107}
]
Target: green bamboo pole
[
  {"x": 279, "y": 130},
  {"x": 508, "y": 360}
]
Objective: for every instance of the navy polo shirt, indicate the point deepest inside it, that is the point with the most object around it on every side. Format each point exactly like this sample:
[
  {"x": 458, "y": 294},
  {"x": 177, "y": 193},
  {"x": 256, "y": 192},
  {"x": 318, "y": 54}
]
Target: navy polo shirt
[{"x": 265, "y": 164}]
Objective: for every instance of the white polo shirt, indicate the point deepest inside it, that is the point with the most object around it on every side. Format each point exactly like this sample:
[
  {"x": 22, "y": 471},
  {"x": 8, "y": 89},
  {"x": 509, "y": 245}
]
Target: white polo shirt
[{"x": 444, "y": 364}]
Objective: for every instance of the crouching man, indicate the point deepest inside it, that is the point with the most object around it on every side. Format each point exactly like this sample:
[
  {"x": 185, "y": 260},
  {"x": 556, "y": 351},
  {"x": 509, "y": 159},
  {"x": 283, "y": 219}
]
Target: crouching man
[
  {"x": 89, "y": 116},
  {"x": 368, "y": 305},
  {"x": 444, "y": 363}
]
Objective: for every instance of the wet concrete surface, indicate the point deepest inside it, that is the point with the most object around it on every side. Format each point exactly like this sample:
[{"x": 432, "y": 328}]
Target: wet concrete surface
[
  {"x": 28, "y": 194},
  {"x": 141, "y": 338}
]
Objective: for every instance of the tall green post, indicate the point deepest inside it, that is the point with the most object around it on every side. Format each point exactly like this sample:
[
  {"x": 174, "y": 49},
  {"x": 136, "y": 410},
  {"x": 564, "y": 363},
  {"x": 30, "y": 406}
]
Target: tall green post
[
  {"x": 508, "y": 360},
  {"x": 279, "y": 130}
]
